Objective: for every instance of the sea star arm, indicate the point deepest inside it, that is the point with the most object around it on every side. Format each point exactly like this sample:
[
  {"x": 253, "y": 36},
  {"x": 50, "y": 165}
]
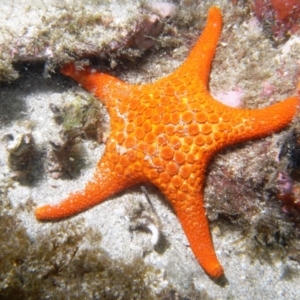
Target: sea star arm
[
  {"x": 106, "y": 182},
  {"x": 198, "y": 63},
  {"x": 106, "y": 88},
  {"x": 192, "y": 216},
  {"x": 250, "y": 124}
]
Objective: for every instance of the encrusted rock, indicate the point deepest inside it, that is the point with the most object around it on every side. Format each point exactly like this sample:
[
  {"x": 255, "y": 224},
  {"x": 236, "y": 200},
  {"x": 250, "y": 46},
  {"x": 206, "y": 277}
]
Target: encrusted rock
[{"x": 22, "y": 153}]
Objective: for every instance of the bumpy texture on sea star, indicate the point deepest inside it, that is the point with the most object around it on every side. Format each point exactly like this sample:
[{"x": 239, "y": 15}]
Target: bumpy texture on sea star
[{"x": 166, "y": 133}]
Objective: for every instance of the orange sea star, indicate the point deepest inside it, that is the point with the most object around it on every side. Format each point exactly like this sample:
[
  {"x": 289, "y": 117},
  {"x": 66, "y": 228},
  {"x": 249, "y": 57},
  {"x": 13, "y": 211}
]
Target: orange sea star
[{"x": 166, "y": 133}]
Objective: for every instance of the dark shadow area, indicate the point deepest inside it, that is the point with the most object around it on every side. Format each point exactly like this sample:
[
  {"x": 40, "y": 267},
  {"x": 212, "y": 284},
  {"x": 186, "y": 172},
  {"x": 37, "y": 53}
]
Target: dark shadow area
[
  {"x": 29, "y": 162},
  {"x": 32, "y": 79}
]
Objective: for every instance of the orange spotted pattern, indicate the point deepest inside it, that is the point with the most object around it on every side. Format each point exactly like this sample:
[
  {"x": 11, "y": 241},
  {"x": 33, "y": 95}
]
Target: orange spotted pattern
[{"x": 166, "y": 133}]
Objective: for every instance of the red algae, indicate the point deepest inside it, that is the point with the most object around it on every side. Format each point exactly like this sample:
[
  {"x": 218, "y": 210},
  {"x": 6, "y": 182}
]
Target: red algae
[{"x": 280, "y": 17}]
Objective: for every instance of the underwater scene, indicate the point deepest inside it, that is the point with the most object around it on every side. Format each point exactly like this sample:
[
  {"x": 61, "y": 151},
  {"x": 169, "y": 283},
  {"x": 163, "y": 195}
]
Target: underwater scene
[{"x": 149, "y": 149}]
